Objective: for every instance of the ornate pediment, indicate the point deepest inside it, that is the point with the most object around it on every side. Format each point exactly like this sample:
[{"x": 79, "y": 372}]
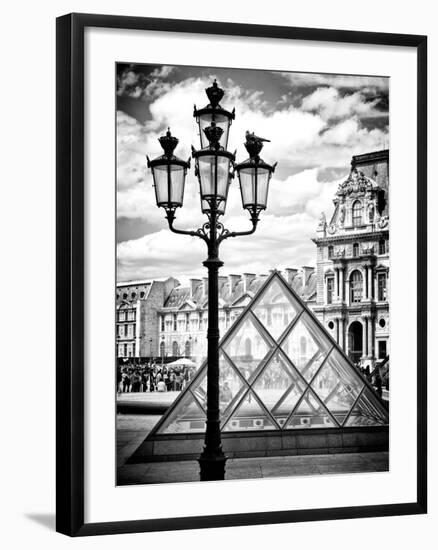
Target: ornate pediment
[{"x": 356, "y": 183}]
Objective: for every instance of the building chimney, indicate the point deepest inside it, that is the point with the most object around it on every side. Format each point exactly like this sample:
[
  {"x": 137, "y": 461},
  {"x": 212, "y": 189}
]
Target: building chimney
[
  {"x": 233, "y": 279},
  {"x": 307, "y": 271},
  {"x": 205, "y": 286},
  {"x": 247, "y": 278},
  {"x": 194, "y": 285},
  {"x": 290, "y": 274},
  {"x": 223, "y": 279}
]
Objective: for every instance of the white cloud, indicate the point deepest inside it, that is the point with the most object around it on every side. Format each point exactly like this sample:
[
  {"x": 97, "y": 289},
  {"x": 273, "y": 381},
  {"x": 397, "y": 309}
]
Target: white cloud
[
  {"x": 330, "y": 104},
  {"x": 299, "y": 139},
  {"x": 282, "y": 238},
  {"x": 338, "y": 81},
  {"x": 278, "y": 243},
  {"x": 163, "y": 72}
]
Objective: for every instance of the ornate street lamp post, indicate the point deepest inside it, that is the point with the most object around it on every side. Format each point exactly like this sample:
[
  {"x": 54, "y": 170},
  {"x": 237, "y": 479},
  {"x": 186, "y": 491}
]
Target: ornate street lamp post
[{"x": 214, "y": 168}]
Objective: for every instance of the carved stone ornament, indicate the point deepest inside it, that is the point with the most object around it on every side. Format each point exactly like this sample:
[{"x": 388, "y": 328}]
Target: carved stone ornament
[
  {"x": 331, "y": 229},
  {"x": 367, "y": 250},
  {"x": 322, "y": 221},
  {"x": 383, "y": 222},
  {"x": 341, "y": 214},
  {"x": 356, "y": 183}
]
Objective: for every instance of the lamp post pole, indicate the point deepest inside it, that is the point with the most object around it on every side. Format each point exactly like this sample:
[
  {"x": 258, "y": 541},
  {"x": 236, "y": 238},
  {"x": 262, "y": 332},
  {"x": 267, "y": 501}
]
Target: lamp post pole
[
  {"x": 212, "y": 459},
  {"x": 214, "y": 171}
]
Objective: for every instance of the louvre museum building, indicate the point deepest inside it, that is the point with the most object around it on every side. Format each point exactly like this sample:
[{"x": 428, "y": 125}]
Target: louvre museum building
[{"x": 347, "y": 291}]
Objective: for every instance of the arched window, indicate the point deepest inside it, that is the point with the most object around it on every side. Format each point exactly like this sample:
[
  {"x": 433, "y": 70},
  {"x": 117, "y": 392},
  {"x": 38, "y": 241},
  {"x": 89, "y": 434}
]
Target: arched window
[
  {"x": 330, "y": 251},
  {"x": 356, "y": 287},
  {"x": 381, "y": 287},
  {"x": 187, "y": 349},
  {"x": 357, "y": 211},
  {"x": 161, "y": 349},
  {"x": 175, "y": 349},
  {"x": 330, "y": 289},
  {"x": 355, "y": 250}
]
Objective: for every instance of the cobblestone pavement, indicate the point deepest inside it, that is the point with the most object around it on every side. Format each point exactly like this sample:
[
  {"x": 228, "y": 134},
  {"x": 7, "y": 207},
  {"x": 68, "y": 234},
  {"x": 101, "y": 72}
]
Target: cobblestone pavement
[
  {"x": 264, "y": 467},
  {"x": 132, "y": 429}
]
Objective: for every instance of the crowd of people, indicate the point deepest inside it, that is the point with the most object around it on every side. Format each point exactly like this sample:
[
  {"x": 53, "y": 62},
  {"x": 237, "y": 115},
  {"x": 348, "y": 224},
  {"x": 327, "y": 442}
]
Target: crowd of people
[
  {"x": 375, "y": 379},
  {"x": 151, "y": 377}
]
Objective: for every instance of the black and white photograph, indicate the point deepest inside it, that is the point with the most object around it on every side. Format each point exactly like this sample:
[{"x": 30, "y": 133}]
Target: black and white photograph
[
  {"x": 217, "y": 271},
  {"x": 252, "y": 297}
]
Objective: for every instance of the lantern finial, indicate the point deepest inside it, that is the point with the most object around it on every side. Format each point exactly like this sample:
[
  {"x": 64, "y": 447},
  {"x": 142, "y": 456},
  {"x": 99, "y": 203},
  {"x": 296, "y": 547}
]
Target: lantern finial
[
  {"x": 213, "y": 134},
  {"x": 214, "y": 94},
  {"x": 168, "y": 143}
]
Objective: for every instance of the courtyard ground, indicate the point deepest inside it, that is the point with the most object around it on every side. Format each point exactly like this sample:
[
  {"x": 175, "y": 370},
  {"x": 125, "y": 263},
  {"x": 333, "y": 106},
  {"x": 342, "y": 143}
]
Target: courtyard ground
[{"x": 133, "y": 428}]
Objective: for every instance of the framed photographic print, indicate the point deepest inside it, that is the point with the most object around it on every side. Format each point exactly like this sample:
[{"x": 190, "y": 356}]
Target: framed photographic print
[{"x": 241, "y": 328}]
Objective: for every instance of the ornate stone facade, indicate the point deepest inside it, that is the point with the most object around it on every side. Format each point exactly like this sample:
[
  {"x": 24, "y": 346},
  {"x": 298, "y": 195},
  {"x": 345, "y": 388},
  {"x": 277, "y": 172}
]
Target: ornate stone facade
[
  {"x": 137, "y": 303},
  {"x": 353, "y": 261}
]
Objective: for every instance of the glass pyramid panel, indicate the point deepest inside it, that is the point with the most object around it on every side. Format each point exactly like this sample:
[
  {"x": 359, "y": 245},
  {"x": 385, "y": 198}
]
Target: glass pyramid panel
[
  {"x": 310, "y": 414},
  {"x": 276, "y": 308},
  {"x": 186, "y": 417},
  {"x": 249, "y": 415},
  {"x": 302, "y": 381},
  {"x": 231, "y": 386},
  {"x": 277, "y": 387},
  {"x": 247, "y": 347},
  {"x": 283, "y": 408},
  {"x": 337, "y": 385},
  {"x": 368, "y": 411},
  {"x": 306, "y": 345}
]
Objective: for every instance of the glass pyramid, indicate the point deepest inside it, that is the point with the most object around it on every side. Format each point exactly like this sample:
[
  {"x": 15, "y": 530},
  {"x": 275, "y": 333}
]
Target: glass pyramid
[{"x": 279, "y": 370}]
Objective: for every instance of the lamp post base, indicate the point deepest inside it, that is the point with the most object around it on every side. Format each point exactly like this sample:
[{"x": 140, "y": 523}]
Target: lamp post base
[{"x": 212, "y": 467}]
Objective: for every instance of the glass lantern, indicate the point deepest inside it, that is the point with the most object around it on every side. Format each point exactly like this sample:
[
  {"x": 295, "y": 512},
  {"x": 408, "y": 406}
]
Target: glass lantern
[
  {"x": 213, "y": 113},
  {"x": 213, "y": 171},
  {"x": 254, "y": 180},
  {"x": 169, "y": 173}
]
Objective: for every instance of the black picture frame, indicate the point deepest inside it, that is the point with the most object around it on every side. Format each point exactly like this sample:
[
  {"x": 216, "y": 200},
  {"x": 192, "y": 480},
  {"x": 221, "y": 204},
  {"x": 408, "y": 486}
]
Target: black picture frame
[{"x": 70, "y": 273}]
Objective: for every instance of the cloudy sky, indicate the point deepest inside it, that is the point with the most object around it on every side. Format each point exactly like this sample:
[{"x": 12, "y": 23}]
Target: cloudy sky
[{"x": 315, "y": 122}]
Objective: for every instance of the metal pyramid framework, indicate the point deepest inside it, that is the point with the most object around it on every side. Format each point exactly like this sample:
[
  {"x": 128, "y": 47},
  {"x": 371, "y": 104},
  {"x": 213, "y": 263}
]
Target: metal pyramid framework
[{"x": 279, "y": 370}]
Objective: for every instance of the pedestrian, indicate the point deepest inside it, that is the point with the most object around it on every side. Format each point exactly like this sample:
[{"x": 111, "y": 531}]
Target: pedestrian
[
  {"x": 144, "y": 381},
  {"x": 151, "y": 382},
  {"x": 125, "y": 382},
  {"x": 136, "y": 382},
  {"x": 178, "y": 381},
  {"x": 172, "y": 380},
  {"x": 378, "y": 384},
  {"x": 119, "y": 380}
]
